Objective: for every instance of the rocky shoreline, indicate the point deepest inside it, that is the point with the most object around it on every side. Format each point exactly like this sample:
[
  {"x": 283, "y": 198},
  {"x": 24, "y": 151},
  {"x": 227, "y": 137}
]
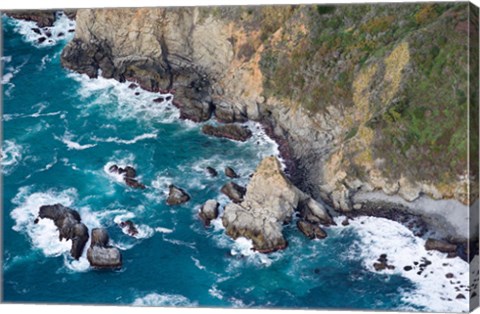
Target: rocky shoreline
[{"x": 201, "y": 93}]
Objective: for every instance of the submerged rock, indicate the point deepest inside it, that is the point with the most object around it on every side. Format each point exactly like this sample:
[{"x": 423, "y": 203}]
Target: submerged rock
[
  {"x": 130, "y": 226},
  {"x": 382, "y": 263},
  {"x": 209, "y": 212},
  {"x": 229, "y": 172},
  {"x": 311, "y": 230},
  {"x": 177, "y": 196},
  {"x": 102, "y": 255},
  {"x": 234, "y": 191},
  {"x": 231, "y": 131},
  {"x": 69, "y": 226},
  {"x": 269, "y": 203}
]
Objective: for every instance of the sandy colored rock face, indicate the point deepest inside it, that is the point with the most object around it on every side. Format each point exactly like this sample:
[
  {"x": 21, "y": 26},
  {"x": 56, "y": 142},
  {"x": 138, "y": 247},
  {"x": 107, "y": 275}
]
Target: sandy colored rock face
[{"x": 270, "y": 201}]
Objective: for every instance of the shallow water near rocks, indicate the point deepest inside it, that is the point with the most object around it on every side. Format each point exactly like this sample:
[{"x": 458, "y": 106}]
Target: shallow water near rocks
[{"x": 61, "y": 133}]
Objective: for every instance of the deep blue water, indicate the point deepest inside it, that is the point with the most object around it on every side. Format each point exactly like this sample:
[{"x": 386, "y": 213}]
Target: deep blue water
[{"x": 62, "y": 130}]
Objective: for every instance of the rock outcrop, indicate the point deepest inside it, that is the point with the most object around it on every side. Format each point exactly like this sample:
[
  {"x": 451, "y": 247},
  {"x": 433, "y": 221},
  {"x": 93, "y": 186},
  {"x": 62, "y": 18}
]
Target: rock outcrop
[
  {"x": 100, "y": 254},
  {"x": 129, "y": 176},
  {"x": 346, "y": 109},
  {"x": 234, "y": 191},
  {"x": 231, "y": 131},
  {"x": 69, "y": 226},
  {"x": 209, "y": 212},
  {"x": 177, "y": 196},
  {"x": 229, "y": 172},
  {"x": 311, "y": 230},
  {"x": 269, "y": 203}
]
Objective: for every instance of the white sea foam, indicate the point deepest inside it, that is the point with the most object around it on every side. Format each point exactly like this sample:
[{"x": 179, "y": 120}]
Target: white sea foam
[
  {"x": 67, "y": 140},
  {"x": 11, "y": 154},
  {"x": 215, "y": 292},
  {"x": 433, "y": 290},
  {"x": 62, "y": 25},
  {"x": 6, "y": 78},
  {"x": 155, "y": 299},
  {"x": 163, "y": 230},
  {"x": 121, "y": 141},
  {"x": 197, "y": 263},
  {"x": 160, "y": 189},
  {"x": 6, "y": 59},
  {"x": 121, "y": 102}
]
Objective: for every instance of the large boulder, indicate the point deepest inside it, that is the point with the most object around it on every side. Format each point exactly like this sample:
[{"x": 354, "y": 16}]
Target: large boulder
[
  {"x": 270, "y": 201},
  {"x": 231, "y": 131},
  {"x": 177, "y": 196},
  {"x": 69, "y": 226},
  {"x": 234, "y": 191},
  {"x": 209, "y": 212},
  {"x": 100, "y": 254}
]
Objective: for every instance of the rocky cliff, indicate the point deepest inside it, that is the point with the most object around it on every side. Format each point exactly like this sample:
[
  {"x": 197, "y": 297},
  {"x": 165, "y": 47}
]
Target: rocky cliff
[{"x": 370, "y": 102}]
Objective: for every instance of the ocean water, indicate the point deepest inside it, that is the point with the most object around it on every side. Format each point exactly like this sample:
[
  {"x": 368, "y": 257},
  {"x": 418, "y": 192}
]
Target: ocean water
[{"x": 61, "y": 132}]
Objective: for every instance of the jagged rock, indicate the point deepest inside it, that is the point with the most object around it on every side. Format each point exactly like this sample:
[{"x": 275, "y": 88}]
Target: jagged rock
[
  {"x": 69, "y": 226},
  {"x": 177, "y": 196},
  {"x": 129, "y": 174},
  {"x": 269, "y": 203},
  {"x": 197, "y": 111},
  {"x": 230, "y": 131},
  {"x": 234, "y": 191},
  {"x": 209, "y": 212},
  {"x": 229, "y": 172},
  {"x": 212, "y": 172},
  {"x": 36, "y": 30},
  {"x": 442, "y": 246},
  {"x": 100, "y": 254},
  {"x": 43, "y": 18},
  {"x": 227, "y": 113},
  {"x": 314, "y": 212},
  {"x": 311, "y": 230}
]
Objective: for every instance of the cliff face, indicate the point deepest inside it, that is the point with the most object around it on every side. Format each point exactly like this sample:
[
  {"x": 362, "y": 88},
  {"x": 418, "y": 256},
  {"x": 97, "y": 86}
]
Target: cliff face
[{"x": 369, "y": 98}]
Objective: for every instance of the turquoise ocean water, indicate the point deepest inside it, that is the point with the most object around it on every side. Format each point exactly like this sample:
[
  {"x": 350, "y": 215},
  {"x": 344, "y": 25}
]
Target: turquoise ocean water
[{"x": 61, "y": 131}]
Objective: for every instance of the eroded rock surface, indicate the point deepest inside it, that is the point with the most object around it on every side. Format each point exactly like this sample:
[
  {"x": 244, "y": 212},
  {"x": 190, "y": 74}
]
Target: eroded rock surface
[
  {"x": 270, "y": 202},
  {"x": 100, "y": 254},
  {"x": 69, "y": 226}
]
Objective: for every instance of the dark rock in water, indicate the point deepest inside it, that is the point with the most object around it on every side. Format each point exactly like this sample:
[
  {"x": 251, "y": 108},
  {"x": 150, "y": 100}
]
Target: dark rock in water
[
  {"x": 234, "y": 191},
  {"x": 177, "y": 196},
  {"x": 130, "y": 226},
  {"x": 48, "y": 34},
  {"x": 41, "y": 39},
  {"x": 36, "y": 30},
  {"x": 229, "y": 172},
  {"x": 449, "y": 275},
  {"x": 113, "y": 168},
  {"x": 100, "y": 254},
  {"x": 382, "y": 263},
  {"x": 212, "y": 172},
  {"x": 460, "y": 296},
  {"x": 310, "y": 230},
  {"x": 159, "y": 99},
  {"x": 137, "y": 93},
  {"x": 452, "y": 255},
  {"x": 69, "y": 226},
  {"x": 61, "y": 34},
  {"x": 43, "y": 18},
  {"x": 128, "y": 172},
  {"x": 209, "y": 212},
  {"x": 134, "y": 183},
  {"x": 441, "y": 246},
  {"x": 71, "y": 30},
  {"x": 407, "y": 268},
  {"x": 345, "y": 222},
  {"x": 132, "y": 86},
  {"x": 231, "y": 131}
]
